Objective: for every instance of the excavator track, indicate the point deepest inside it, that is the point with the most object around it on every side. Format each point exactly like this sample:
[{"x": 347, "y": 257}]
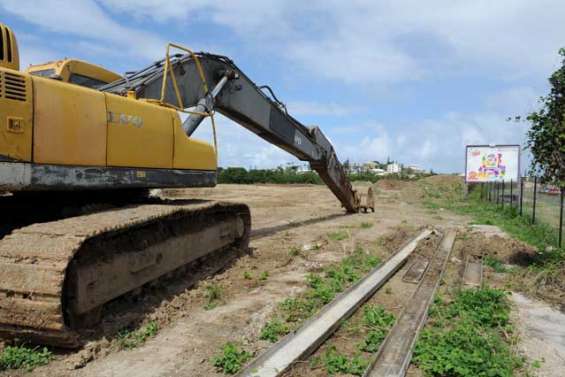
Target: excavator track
[{"x": 57, "y": 276}]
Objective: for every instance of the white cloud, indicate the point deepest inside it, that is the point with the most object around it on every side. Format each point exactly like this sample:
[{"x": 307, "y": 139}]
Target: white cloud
[
  {"x": 432, "y": 143},
  {"x": 372, "y": 42},
  {"x": 514, "y": 101},
  {"x": 85, "y": 19}
]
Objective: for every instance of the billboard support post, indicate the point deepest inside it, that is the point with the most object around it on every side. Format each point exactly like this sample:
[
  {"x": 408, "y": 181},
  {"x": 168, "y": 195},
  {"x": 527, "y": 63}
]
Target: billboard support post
[
  {"x": 521, "y": 194},
  {"x": 511, "y": 197},
  {"x": 502, "y": 195},
  {"x": 535, "y": 197},
  {"x": 561, "y": 217}
]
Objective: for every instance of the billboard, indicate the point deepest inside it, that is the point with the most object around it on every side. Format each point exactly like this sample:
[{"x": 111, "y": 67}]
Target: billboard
[{"x": 492, "y": 163}]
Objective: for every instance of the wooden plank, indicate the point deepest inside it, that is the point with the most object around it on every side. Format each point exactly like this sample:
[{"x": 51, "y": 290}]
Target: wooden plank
[
  {"x": 473, "y": 274},
  {"x": 394, "y": 355},
  {"x": 316, "y": 330},
  {"x": 416, "y": 270}
]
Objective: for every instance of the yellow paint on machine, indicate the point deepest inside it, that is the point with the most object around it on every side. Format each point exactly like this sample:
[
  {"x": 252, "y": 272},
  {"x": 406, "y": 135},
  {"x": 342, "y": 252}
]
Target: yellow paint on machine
[
  {"x": 190, "y": 153},
  {"x": 16, "y": 115},
  {"x": 69, "y": 123},
  {"x": 65, "y": 124},
  {"x": 140, "y": 134}
]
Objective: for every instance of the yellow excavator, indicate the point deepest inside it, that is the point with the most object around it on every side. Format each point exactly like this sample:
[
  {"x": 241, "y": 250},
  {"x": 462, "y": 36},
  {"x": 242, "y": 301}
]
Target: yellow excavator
[{"x": 80, "y": 146}]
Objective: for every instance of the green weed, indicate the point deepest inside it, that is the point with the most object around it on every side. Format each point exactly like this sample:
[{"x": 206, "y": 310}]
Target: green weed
[
  {"x": 366, "y": 225},
  {"x": 247, "y": 275},
  {"x": 340, "y": 235},
  {"x": 294, "y": 251},
  {"x": 230, "y": 359},
  {"x": 22, "y": 357},
  {"x": 335, "y": 362},
  {"x": 264, "y": 276},
  {"x": 324, "y": 286},
  {"x": 467, "y": 337},
  {"x": 378, "y": 322},
  {"x": 128, "y": 339},
  {"x": 213, "y": 295},
  {"x": 273, "y": 330},
  {"x": 495, "y": 264}
]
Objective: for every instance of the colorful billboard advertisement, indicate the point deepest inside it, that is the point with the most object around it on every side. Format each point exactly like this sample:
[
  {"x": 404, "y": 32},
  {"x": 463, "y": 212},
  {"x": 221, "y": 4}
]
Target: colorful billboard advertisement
[{"x": 492, "y": 163}]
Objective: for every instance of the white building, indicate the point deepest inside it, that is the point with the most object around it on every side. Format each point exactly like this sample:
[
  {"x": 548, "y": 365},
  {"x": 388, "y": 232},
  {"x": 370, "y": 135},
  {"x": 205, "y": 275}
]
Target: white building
[
  {"x": 393, "y": 168},
  {"x": 416, "y": 169}
]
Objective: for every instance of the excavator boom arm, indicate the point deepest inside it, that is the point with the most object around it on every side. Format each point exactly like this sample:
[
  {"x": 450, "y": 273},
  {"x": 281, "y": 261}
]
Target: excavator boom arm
[{"x": 228, "y": 90}]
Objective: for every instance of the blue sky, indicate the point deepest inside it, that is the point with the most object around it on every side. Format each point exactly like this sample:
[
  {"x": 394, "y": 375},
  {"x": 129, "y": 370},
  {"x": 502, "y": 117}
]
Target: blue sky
[{"x": 411, "y": 80}]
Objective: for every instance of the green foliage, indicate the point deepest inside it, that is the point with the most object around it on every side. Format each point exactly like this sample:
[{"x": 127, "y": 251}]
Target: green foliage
[
  {"x": 335, "y": 362},
  {"x": 324, "y": 286},
  {"x": 22, "y": 357},
  {"x": 467, "y": 337},
  {"x": 378, "y": 322},
  {"x": 264, "y": 276},
  {"x": 495, "y": 264},
  {"x": 128, "y": 339},
  {"x": 546, "y": 137},
  {"x": 230, "y": 359},
  {"x": 366, "y": 225},
  {"x": 486, "y": 306},
  {"x": 278, "y": 176},
  {"x": 247, "y": 275},
  {"x": 376, "y": 316},
  {"x": 213, "y": 295},
  {"x": 373, "y": 340},
  {"x": 294, "y": 251},
  {"x": 340, "y": 235},
  {"x": 273, "y": 330}
]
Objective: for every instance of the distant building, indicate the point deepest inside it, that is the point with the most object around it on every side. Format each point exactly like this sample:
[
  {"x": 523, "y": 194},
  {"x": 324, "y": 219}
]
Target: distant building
[
  {"x": 416, "y": 169},
  {"x": 393, "y": 168}
]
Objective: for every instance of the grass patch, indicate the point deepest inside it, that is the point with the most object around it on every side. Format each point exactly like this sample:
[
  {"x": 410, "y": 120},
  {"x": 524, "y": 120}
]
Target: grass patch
[
  {"x": 323, "y": 287},
  {"x": 294, "y": 251},
  {"x": 468, "y": 337},
  {"x": 338, "y": 363},
  {"x": 273, "y": 330},
  {"x": 366, "y": 225},
  {"x": 128, "y": 339},
  {"x": 495, "y": 264},
  {"x": 264, "y": 276},
  {"x": 230, "y": 359},
  {"x": 22, "y": 357},
  {"x": 214, "y": 295},
  {"x": 340, "y": 235},
  {"x": 377, "y": 322}
]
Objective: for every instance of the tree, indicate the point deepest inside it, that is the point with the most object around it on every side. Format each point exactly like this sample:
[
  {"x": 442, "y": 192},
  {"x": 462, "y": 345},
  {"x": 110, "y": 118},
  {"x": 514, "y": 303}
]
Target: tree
[{"x": 546, "y": 137}]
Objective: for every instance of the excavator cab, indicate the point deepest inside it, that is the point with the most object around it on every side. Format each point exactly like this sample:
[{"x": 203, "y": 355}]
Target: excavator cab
[{"x": 75, "y": 72}]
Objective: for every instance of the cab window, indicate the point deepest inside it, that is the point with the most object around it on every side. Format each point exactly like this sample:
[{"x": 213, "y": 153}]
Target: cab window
[
  {"x": 86, "y": 81},
  {"x": 43, "y": 72}
]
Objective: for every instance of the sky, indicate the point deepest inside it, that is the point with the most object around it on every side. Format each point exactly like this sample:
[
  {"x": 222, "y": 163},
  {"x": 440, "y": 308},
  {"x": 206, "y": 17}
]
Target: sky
[{"x": 414, "y": 81}]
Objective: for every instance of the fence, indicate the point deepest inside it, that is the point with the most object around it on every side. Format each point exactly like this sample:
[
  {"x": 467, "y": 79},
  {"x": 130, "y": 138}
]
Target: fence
[{"x": 529, "y": 197}]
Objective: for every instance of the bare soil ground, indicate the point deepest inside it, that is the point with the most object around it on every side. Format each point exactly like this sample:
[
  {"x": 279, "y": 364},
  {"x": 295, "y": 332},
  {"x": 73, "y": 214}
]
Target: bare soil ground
[{"x": 285, "y": 218}]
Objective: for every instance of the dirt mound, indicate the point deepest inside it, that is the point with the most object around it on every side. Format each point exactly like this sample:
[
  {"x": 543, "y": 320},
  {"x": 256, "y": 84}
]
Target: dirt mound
[
  {"x": 443, "y": 179},
  {"x": 389, "y": 184},
  {"x": 507, "y": 250}
]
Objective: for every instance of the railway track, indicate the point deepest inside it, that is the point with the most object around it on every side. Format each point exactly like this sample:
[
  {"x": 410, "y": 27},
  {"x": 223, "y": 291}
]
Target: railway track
[{"x": 395, "y": 352}]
